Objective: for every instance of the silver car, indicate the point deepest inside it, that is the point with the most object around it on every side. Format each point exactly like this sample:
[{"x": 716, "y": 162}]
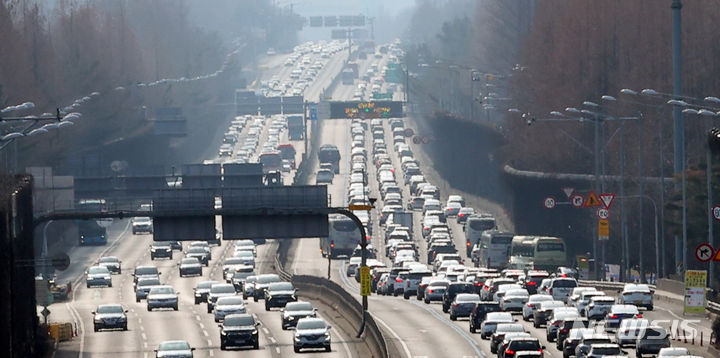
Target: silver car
[
  {"x": 311, "y": 333},
  {"x": 489, "y": 325},
  {"x": 162, "y": 297},
  {"x": 98, "y": 276},
  {"x": 228, "y": 305}
]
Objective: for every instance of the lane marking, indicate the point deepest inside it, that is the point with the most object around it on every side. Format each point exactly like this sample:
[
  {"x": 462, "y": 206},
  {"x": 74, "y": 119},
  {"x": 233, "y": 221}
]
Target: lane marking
[
  {"x": 277, "y": 350},
  {"x": 273, "y": 340},
  {"x": 267, "y": 331},
  {"x": 205, "y": 333},
  {"x": 396, "y": 335},
  {"x": 144, "y": 337}
]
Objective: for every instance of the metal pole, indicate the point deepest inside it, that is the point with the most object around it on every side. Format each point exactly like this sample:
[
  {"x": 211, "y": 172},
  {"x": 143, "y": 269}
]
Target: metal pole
[
  {"x": 305, "y": 128},
  {"x": 679, "y": 126},
  {"x": 662, "y": 195},
  {"x": 657, "y": 246},
  {"x": 641, "y": 189},
  {"x": 708, "y": 177},
  {"x": 472, "y": 96},
  {"x": 623, "y": 213},
  {"x": 597, "y": 190}
]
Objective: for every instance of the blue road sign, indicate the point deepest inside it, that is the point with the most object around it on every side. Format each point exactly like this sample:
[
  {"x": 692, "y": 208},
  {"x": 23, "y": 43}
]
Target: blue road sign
[{"x": 313, "y": 113}]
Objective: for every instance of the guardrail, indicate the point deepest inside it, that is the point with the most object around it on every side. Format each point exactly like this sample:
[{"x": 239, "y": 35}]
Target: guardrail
[{"x": 333, "y": 295}]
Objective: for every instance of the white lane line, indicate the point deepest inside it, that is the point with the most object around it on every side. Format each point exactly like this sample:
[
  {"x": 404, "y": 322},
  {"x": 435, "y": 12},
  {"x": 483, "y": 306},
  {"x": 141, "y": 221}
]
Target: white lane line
[
  {"x": 145, "y": 345},
  {"x": 209, "y": 342},
  {"x": 205, "y": 333},
  {"x": 197, "y": 317},
  {"x": 145, "y": 355},
  {"x": 139, "y": 320},
  {"x": 344, "y": 342},
  {"x": 273, "y": 340},
  {"x": 267, "y": 331},
  {"x": 202, "y": 326},
  {"x": 144, "y": 337},
  {"x": 211, "y": 353},
  {"x": 397, "y": 336},
  {"x": 277, "y": 350},
  {"x": 473, "y": 343}
]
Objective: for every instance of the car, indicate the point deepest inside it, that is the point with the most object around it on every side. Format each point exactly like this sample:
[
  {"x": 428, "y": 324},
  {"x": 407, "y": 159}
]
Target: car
[
  {"x": 190, "y": 266},
  {"x": 229, "y": 265},
  {"x": 160, "y": 249},
  {"x": 605, "y": 350},
  {"x": 452, "y": 209},
  {"x": 463, "y": 214},
  {"x": 278, "y": 294},
  {"x": 112, "y": 263},
  {"x": 505, "y": 288},
  {"x": 179, "y": 349},
  {"x": 294, "y": 311},
  {"x": 144, "y": 285},
  {"x": 651, "y": 340},
  {"x": 199, "y": 253},
  {"x": 514, "y": 300},
  {"x": 532, "y": 304},
  {"x": 583, "y": 347},
  {"x": 499, "y": 334},
  {"x": 411, "y": 285},
  {"x": 383, "y": 285},
  {"x": 142, "y": 224},
  {"x": 521, "y": 344},
  {"x": 673, "y": 352},
  {"x": 263, "y": 281},
  {"x": 162, "y": 297},
  {"x": 98, "y": 276},
  {"x": 463, "y": 304},
  {"x": 228, "y": 305},
  {"x": 572, "y": 340},
  {"x": 109, "y": 316},
  {"x": 491, "y": 286},
  {"x": 559, "y": 315},
  {"x": 560, "y": 288},
  {"x": 479, "y": 312},
  {"x": 246, "y": 257},
  {"x": 240, "y": 276},
  {"x": 311, "y": 333},
  {"x": 575, "y": 294},
  {"x": 239, "y": 330},
  {"x": 488, "y": 326},
  {"x": 629, "y": 330},
  {"x": 598, "y": 307},
  {"x": 249, "y": 286},
  {"x": 532, "y": 280},
  {"x": 145, "y": 271},
  {"x": 218, "y": 290},
  {"x": 435, "y": 290},
  {"x": 542, "y": 313},
  {"x": 454, "y": 289},
  {"x": 637, "y": 294},
  {"x": 566, "y": 326},
  {"x": 619, "y": 312},
  {"x": 324, "y": 176},
  {"x": 584, "y": 299},
  {"x": 563, "y": 271},
  {"x": 352, "y": 266},
  {"x": 201, "y": 291}
]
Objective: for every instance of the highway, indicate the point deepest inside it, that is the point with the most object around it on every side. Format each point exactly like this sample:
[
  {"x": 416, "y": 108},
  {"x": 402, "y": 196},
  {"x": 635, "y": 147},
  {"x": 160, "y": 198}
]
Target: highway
[{"x": 412, "y": 328}]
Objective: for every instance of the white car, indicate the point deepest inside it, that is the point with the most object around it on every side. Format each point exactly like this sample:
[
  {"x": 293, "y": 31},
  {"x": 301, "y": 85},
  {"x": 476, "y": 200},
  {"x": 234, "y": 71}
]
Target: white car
[
  {"x": 312, "y": 333},
  {"x": 629, "y": 330},
  {"x": 584, "y": 300},
  {"x": 673, "y": 352},
  {"x": 179, "y": 349},
  {"x": 533, "y": 303},
  {"x": 637, "y": 294},
  {"x": 162, "y": 297},
  {"x": 228, "y": 305},
  {"x": 598, "y": 307},
  {"x": 514, "y": 300},
  {"x": 560, "y": 288},
  {"x": 503, "y": 289}
]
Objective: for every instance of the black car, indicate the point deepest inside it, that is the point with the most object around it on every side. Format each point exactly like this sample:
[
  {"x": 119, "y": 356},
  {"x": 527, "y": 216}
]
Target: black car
[
  {"x": 453, "y": 290},
  {"x": 239, "y": 330},
  {"x": 440, "y": 249},
  {"x": 294, "y": 311},
  {"x": 190, "y": 266},
  {"x": 463, "y": 305},
  {"x": 565, "y": 328},
  {"x": 161, "y": 249},
  {"x": 477, "y": 316},
  {"x": 277, "y": 294},
  {"x": 109, "y": 317},
  {"x": 531, "y": 283}
]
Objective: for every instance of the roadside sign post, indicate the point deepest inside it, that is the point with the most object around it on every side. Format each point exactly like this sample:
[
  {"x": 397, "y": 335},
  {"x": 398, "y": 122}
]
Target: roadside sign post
[
  {"x": 365, "y": 281},
  {"x": 695, "y": 284},
  {"x": 603, "y": 229}
]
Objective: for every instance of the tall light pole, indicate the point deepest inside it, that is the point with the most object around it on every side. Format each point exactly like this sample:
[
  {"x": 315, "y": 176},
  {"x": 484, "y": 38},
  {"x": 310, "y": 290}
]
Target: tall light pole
[{"x": 679, "y": 126}]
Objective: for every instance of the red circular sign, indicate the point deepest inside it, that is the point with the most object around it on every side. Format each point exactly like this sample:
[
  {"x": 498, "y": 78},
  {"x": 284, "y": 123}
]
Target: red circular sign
[
  {"x": 704, "y": 252},
  {"x": 549, "y": 202}
]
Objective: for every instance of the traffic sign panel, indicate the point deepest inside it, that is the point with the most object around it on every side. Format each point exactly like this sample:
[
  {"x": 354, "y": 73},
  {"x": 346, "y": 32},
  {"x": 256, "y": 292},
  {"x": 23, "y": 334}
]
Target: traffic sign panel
[
  {"x": 360, "y": 207},
  {"x": 591, "y": 200},
  {"x": 603, "y": 229},
  {"x": 606, "y": 199},
  {"x": 549, "y": 202},
  {"x": 577, "y": 200},
  {"x": 704, "y": 252},
  {"x": 603, "y": 213},
  {"x": 716, "y": 212},
  {"x": 365, "y": 281},
  {"x": 568, "y": 191}
]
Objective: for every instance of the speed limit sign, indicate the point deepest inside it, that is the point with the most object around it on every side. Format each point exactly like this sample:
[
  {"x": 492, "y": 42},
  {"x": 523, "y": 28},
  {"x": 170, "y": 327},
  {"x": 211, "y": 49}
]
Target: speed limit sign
[
  {"x": 549, "y": 202},
  {"x": 603, "y": 213},
  {"x": 716, "y": 212}
]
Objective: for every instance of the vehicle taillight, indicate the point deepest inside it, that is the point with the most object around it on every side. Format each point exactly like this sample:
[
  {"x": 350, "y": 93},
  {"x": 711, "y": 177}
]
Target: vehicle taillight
[
  {"x": 639, "y": 316},
  {"x": 461, "y": 215},
  {"x": 486, "y": 288},
  {"x": 563, "y": 330},
  {"x": 530, "y": 305},
  {"x": 332, "y": 243},
  {"x": 532, "y": 283},
  {"x": 613, "y": 316},
  {"x": 468, "y": 243},
  {"x": 398, "y": 280},
  {"x": 509, "y": 353},
  {"x": 430, "y": 291},
  {"x": 563, "y": 275},
  {"x": 478, "y": 284},
  {"x": 455, "y": 304}
]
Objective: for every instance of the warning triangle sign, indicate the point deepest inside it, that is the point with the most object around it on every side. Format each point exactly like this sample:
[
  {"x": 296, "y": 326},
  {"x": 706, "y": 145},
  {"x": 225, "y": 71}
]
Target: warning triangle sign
[
  {"x": 607, "y": 199},
  {"x": 717, "y": 256},
  {"x": 591, "y": 200}
]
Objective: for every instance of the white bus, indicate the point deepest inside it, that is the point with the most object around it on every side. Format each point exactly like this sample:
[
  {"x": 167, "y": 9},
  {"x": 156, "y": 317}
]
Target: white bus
[
  {"x": 474, "y": 227},
  {"x": 343, "y": 237},
  {"x": 537, "y": 252},
  {"x": 494, "y": 249}
]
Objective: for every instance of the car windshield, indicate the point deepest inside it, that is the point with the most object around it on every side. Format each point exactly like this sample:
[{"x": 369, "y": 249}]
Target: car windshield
[
  {"x": 239, "y": 320},
  {"x": 311, "y": 324},
  {"x": 230, "y": 301},
  {"x": 110, "y": 309},
  {"x": 264, "y": 279},
  {"x": 280, "y": 286},
  {"x": 299, "y": 306},
  {"x": 603, "y": 351},
  {"x": 109, "y": 259},
  {"x": 206, "y": 284},
  {"x": 525, "y": 345},
  {"x": 146, "y": 271},
  {"x": 234, "y": 261},
  {"x": 161, "y": 245},
  {"x": 161, "y": 291},
  {"x": 469, "y": 298},
  {"x": 174, "y": 346},
  {"x": 98, "y": 270},
  {"x": 149, "y": 282},
  {"x": 196, "y": 250},
  {"x": 222, "y": 288},
  {"x": 189, "y": 261}
]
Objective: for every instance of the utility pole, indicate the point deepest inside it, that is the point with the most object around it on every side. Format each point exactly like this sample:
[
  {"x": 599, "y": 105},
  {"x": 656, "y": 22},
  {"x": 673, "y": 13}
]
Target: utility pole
[
  {"x": 679, "y": 127},
  {"x": 596, "y": 121}
]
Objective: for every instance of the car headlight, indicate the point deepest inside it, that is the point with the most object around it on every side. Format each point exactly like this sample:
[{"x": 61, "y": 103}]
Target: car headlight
[
  {"x": 98, "y": 319},
  {"x": 290, "y": 318},
  {"x": 327, "y": 334},
  {"x": 255, "y": 331},
  {"x": 222, "y": 332},
  {"x": 108, "y": 278}
]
